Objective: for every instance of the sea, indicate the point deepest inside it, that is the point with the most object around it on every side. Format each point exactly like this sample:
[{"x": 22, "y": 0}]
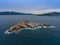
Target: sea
[{"x": 46, "y": 36}]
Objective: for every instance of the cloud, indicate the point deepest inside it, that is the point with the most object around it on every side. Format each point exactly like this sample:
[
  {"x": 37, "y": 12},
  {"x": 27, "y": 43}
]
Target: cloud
[
  {"x": 43, "y": 11},
  {"x": 33, "y": 11},
  {"x": 30, "y": 6}
]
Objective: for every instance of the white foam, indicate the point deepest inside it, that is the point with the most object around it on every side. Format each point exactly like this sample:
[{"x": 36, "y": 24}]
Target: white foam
[
  {"x": 45, "y": 27},
  {"x": 39, "y": 27},
  {"x": 42, "y": 27},
  {"x": 17, "y": 31},
  {"x": 28, "y": 28},
  {"x": 6, "y": 32},
  {"x": 35, "y": 28},
  {"x": 52, "y": 27}
]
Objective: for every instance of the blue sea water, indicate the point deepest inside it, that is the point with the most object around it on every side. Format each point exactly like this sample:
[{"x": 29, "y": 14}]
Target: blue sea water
[{"x": 49, "y": 36}]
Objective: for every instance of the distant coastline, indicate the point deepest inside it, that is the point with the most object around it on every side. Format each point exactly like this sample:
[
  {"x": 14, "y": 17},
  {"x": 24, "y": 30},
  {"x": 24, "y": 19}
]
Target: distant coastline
[
  {"x": 13, "y": 13},
  {"x": 50, "y": 14},
  {"x": 19, "y": 13}
]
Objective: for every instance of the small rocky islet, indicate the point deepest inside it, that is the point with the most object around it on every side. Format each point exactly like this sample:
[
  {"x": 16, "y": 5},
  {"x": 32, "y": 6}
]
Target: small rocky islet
[{"x": 26, "y": 25}]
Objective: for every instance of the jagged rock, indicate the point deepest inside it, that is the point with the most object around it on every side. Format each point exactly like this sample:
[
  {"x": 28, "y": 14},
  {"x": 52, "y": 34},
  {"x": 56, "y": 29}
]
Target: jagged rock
[{"x": 25, "y": 24}]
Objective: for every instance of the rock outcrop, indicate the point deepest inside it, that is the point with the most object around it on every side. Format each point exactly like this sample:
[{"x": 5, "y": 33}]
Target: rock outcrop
[{"x": 25, "y": 24}]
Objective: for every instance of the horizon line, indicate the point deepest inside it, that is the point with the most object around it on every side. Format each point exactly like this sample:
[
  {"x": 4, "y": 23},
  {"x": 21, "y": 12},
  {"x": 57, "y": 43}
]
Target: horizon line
[{"x": 33, "y": 11}]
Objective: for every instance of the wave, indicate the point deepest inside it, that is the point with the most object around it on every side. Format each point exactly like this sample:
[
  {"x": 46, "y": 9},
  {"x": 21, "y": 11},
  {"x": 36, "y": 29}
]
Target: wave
[{"x": 6, "y": 32}]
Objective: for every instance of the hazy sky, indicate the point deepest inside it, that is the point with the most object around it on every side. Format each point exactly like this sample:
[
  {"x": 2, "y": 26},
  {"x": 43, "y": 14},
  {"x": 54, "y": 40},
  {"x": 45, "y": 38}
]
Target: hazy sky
[{"x": 34, "y": 6}]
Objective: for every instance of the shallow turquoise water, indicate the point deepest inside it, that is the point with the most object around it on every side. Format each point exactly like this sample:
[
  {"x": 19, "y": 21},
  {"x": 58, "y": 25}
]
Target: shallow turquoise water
[{"x": 29, "y": 37}]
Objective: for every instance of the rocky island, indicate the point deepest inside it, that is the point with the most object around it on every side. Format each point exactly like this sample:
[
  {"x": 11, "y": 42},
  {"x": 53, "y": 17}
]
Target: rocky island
[{"x": 26, "y": 25}]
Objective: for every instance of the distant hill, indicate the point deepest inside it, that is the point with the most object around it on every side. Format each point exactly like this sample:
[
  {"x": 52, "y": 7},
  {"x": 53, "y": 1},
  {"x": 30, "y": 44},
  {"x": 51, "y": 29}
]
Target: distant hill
[
  {"x": 18, "y": 13},
  {"x": 14, "y": 13},
  {"x": 50, "y": 14}
]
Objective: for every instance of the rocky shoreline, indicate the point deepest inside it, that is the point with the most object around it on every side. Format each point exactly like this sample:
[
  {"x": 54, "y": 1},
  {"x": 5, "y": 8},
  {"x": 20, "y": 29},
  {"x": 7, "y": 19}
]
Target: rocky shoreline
[{"x": 26, "y": 25}]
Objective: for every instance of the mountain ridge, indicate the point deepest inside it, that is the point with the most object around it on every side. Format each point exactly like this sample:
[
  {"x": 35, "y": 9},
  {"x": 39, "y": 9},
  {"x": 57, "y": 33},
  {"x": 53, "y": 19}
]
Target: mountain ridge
[
  {"x": 50, "y": 14},
  {"x": 19, "y": 13},
  {"x": 14, "y": 13}
]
